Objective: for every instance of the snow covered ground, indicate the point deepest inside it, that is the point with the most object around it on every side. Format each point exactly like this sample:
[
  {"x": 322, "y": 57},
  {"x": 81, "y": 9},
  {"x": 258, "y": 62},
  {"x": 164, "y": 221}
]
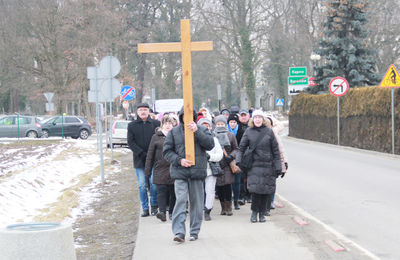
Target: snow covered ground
[{"x": 34, "y": 176}]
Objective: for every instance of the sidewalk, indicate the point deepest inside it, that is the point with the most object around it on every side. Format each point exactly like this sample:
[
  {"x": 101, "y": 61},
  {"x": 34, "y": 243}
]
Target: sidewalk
[{"x": 224, "y": 237}]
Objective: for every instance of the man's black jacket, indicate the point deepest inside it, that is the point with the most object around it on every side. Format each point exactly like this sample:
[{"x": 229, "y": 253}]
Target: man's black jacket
[{"x": 139, "y": 137}]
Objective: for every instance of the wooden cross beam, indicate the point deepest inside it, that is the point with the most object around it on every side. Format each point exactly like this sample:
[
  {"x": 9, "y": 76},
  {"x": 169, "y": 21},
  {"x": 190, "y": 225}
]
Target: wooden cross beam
[{"x": 185, "y": 46}]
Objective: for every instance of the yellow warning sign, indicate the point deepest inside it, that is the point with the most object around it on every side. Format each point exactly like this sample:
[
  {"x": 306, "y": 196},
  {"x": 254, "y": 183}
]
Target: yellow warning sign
[{"x": 391, "y": 79}]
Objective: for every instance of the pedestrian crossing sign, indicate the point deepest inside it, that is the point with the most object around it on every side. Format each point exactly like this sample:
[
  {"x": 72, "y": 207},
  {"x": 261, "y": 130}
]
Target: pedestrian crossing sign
[
  {"x": 391, "y": 79},
  {"x": 280, "y": 102}
]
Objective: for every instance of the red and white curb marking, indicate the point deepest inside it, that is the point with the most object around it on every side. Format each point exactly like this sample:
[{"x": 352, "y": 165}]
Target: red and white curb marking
[
  {"x": 335, "y": 246},
  {"x": 277, "y": 204},
  {"x": 300, "y": 221}
]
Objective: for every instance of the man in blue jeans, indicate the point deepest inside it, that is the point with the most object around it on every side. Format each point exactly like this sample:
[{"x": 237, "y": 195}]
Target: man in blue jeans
[{"x": 139, "y": 136}]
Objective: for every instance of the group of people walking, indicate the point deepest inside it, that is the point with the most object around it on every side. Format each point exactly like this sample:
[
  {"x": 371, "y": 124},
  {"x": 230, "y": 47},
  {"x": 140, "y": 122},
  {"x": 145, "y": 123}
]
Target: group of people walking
[{"x": 238, "y": 157}]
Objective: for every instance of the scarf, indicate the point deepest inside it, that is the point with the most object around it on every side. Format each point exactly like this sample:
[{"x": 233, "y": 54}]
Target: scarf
[
  {"x": 222, "y": 135},
  {"x": 234, "y": 131}
]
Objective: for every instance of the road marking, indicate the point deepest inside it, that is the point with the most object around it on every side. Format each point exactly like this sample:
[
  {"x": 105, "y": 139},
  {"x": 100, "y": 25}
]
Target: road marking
[
  {"x": 335, "y": 246},
  {"x": 328, "y": 228},
  {"x": 300, "y": 221}
]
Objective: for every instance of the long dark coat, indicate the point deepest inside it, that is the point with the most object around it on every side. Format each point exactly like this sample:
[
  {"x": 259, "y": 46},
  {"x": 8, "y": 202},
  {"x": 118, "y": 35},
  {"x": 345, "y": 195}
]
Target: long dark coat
[
  {"x": 155, "y": 160},
  {"x": 139, "y": 136},
  {"x": 228, "y": 177},
  {"x": 262, "y": 176}
]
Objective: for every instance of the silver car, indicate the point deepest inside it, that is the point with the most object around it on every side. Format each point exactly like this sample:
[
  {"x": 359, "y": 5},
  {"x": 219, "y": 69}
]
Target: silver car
[
  {"x": 119, "y": 133},
  {"x": 28, "y": 126}
]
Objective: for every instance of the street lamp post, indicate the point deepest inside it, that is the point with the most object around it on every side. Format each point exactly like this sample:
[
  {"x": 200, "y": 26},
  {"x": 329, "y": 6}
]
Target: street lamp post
[{"x": 315, "y": 58}]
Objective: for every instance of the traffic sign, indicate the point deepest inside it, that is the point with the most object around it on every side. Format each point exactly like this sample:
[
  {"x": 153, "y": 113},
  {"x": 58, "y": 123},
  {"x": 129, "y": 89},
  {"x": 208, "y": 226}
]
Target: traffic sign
[
  {"x": 311, "y": 82},
  {"x": 297, "y": 71},
  {"x": 297, "y": 80},
  {"x": 338, "y": 86},
  {"x": 391, "y": 78},
  {"x": 127, "y": 93},
  {"x": 279, "y": 102},
  {"x": 109, "y": 67}
]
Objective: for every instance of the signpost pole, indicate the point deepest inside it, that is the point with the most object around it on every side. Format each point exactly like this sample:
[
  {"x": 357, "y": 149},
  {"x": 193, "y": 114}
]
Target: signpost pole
[
  {"x": 100, "y": 129},
  {"x": 18, "y": 126},
  {"x": 338, "y": 120},
  {"x": 111, "y": 119},
  {"x": 392, "y": 120}
]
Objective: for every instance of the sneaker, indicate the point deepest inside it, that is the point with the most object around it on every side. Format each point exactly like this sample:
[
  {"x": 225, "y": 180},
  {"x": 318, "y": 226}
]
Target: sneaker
[
  {"x": 241, "y": 202},
  {"x": 267, "y": 213},
  {"x": 193, "y": 237},
  {"x": 179, "y": 238}
]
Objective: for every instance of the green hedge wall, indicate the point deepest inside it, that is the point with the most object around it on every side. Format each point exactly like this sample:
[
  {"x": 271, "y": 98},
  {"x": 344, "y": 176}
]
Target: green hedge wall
[{"x": 365, "y": 118}]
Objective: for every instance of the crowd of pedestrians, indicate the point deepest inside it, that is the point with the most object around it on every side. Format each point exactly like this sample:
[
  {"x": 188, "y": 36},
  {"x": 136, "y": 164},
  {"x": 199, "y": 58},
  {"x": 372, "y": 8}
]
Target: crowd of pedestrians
[{"x": 238, "y": 157}]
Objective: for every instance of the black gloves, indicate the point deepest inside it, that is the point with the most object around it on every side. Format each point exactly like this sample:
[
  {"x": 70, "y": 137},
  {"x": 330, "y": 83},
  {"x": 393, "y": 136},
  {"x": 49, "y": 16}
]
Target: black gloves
[
  {"x": 277, "y": 173},
  {"x": 282, "y": 174},
  {"x": 208, "y": 156},
  {"x": 286, "y": 165}
]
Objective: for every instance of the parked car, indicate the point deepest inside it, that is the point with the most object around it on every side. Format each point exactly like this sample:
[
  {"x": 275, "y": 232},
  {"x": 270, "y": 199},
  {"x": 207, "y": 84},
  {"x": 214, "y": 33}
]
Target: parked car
[
  {"x": 119, "y": 133},
  {"x": 73, "y": 126},
  {"x": 28, "y": 126}
]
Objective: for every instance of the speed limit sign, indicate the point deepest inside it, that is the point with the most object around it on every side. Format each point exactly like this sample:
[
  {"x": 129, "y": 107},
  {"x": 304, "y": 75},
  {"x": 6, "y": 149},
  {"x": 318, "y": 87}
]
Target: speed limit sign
[{"x": 338, "y": 86}]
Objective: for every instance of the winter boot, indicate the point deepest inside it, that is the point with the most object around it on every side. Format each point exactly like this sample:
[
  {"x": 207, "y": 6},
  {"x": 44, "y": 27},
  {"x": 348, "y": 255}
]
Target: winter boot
[
  {"x": 161, "y": 216},
  {"x": 236, "y": 204},
  {"x": 253, "y": 217},
  {"x": 145, "y": 213},
  {"x": 154, "y": 210},
  {"x": 223, "y": 208},
  {"x": 228, "y": 208},
  {"x": 261, "y": 216},
  {"x": 267, "y": 213},
  {"x": 207, "y": 214}
]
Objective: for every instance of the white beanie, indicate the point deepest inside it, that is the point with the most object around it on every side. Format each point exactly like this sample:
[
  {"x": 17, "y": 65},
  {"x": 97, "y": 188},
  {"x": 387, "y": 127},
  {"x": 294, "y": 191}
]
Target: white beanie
[{"x": 257, "y": 113}]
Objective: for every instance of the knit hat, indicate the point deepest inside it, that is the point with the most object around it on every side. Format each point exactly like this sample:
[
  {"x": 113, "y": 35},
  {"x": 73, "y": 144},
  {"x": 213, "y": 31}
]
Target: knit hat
[
  {"x": 233, "y": 117},
  {"x": 257, "y": 113},
  {"x": 221, "y": 118},
  {"x": 204, "y": 120}
]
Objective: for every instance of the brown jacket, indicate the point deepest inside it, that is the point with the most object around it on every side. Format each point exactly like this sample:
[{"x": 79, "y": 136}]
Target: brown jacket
[
  {"x": 228, "y": 177},
  {"x": 155, "y": 160}
]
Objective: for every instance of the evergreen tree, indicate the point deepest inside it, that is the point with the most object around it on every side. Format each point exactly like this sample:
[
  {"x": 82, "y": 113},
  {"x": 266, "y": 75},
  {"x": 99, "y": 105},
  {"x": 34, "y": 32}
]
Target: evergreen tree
[{"x": 343, "y": 47}]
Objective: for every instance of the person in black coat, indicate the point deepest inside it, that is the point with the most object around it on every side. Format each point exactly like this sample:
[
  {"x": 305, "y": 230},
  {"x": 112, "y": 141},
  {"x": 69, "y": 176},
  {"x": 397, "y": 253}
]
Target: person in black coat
[
  {"x": 157, "y": 166},
  {"x": 188, "y": 178},
  {"x": 140, "y": 132},
  {"x": 244, "y": 118},
  {"x": 266, "y": 167}
]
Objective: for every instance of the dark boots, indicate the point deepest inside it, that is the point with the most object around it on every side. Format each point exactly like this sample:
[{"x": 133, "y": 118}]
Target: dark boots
[
  {"x": 253, "y": 217},
  {"x": 161, "y": 216},
  {"x": 261, "y": 217},
  {"x": 154, "y": 210},
  {"x": 223, "y": 208},
  {"x": 236, "y": 204},
  {"x": 145, "y": 213},
  {"x": 228, "y": 208},
  {"x": 207, "y": 214}
]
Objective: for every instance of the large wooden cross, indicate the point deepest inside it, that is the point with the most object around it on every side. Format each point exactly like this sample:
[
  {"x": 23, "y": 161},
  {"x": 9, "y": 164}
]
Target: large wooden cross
[{"x": 185, "y": 46}]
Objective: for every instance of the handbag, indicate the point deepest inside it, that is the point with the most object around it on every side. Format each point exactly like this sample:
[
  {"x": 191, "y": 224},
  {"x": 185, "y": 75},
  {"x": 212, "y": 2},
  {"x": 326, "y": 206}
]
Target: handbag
[
  {"x": 234, "y": 168},
  {"x": 216, "y": 169},
  {"x": 247, "y": 158}
]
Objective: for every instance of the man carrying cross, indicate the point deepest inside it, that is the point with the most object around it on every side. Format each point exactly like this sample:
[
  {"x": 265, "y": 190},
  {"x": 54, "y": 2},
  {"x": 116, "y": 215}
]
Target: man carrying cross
[
  {"x": 188, "y": 178},
  {"x": 186, "y": 145}
]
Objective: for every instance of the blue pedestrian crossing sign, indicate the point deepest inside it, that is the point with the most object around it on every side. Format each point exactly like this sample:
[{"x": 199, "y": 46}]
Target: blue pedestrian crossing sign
[
  {"x": 280, "y": 102},
  {"x": 127, "y": 93}
]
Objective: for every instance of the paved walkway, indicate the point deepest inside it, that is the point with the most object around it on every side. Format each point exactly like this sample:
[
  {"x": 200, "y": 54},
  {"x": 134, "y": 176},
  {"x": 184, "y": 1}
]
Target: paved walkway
[{"x": 224, "y": 237}]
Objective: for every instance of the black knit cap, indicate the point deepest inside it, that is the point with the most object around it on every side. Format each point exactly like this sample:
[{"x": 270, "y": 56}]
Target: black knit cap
[{"x": 233, "y": 117}]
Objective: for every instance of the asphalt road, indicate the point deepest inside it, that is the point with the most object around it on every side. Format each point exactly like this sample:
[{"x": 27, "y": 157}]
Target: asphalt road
[{"x": 355, "y": 192}]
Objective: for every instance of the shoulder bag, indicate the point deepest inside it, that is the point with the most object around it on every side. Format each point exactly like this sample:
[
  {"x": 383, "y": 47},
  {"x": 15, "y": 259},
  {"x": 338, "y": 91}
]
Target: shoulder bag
[{"x": 247, "y": 158}]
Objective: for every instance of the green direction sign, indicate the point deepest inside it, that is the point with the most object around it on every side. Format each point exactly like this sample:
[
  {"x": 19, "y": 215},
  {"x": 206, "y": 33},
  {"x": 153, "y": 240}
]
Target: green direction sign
[
  {"x": 298, "y": 80},
  {"x": 298, "y": 71}
]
